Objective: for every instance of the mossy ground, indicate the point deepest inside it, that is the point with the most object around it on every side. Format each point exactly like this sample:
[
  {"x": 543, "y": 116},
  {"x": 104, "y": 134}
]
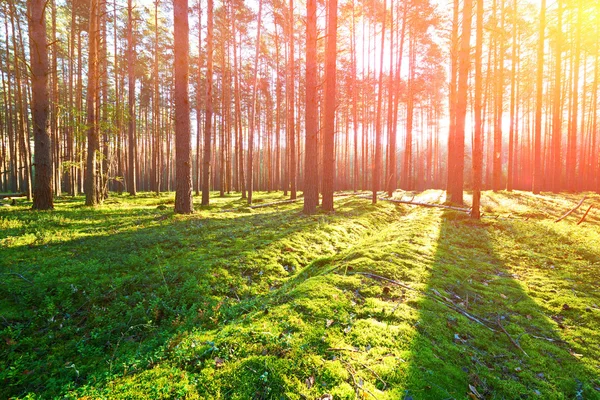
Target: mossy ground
[{"x": 131, "y": 301}]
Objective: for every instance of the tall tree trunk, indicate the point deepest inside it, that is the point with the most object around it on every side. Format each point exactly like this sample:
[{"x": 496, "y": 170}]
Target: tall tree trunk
[
  {"x": 499, "y": 102},
  {"x": 131, "y": 168},
  {"x": 477, "y": 108},
  {"x": 513, "y": 98},
  {"x": 252, "y": 122},
  {"x": 457, "y": 173},
  {"x": 311, "y": 124},
  {"x": 199, "y": 97},
  {"x": 54, "y": 107},
  {"x": 395, "y": 87},
  {"x": 537, "y": 152},
  {"x": 572, "y": 178},
  {"x": 91, "y": 188},
  {"x": 156, "y": 125},
  {"x": 209, "y": 105},
  {"x": 277, "y": 113},
  {"x": 330, "y": 105},
  {"x": 238, "y": 117},
  {"x": 42, "y": 195},
  {"x": 451, "y": 189},
  {"x": 410, "y": 109},
  {"x": 378, "y": 134},
  {"x": 557, "y": 106},
  {"x": 183, "y": 157},
  {"x": 291, "y": 117}
]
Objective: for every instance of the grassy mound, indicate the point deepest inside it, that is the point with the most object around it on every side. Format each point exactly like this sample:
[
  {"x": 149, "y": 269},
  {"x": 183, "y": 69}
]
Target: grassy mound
[{"x": 386, "y": 301}]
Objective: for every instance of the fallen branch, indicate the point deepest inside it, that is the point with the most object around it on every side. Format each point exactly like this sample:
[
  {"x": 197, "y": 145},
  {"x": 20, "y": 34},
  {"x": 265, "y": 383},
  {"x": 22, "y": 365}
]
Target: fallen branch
[
  {"x": 20, "y": 276},
  {"x": 376, "y": 375},
  {"x": 551, "y": 340},
  {"x": 357, "y": 386},
  {"x": 419, "y": 203},
  {"x": 513, "y": 341},
  {"x": 585, "y": 215},
  {"x": 12, "y": 195},
  {"x": 383, "y": 278},
  {"x": 435, "y": 296},
  {"x": 452, "y": 306},
  {"x": 344, "y": 349},
  {"x": 572, "y": 210}
]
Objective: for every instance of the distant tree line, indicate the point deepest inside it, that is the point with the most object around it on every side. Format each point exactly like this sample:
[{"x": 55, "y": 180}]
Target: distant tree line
[{"x": 371, "y": 95}]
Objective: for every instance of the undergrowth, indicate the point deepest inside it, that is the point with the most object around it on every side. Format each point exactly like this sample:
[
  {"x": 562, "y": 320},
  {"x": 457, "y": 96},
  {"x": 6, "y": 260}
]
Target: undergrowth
[{"x": 129, "y": 300}]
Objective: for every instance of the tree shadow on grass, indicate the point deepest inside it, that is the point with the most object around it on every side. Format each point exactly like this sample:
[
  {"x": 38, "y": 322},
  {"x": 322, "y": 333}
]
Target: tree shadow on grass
[
  {"x": 454, "y": 357},
  {"x": 76, "y": 311}
]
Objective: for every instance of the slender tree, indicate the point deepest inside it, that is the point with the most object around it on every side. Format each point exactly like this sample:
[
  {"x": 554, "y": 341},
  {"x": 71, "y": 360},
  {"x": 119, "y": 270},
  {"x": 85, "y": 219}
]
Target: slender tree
[
  {"x": 330, "y": 105},
  {"x": 42, "y": 193},
  {"x": 208, "y": 117},
  {"x": 252, "y": 122},
  {"x": 477, "y": 108},
  {"x": 91, "y": 187},
  {"x": 131, "y": 168},
  {"x": 378, "y": 124},
  {"x": 451, "y": 182},
  {"x": 456, "y": 175},
  {"x": 291, "y": 110},
  {"x": 513, "y": 101},
  {"x": 572, "y": 139},
  {"x": 183, "y": 146},
  {"x": 537, "y": 151},
  {"x": 311, "y": 124}
]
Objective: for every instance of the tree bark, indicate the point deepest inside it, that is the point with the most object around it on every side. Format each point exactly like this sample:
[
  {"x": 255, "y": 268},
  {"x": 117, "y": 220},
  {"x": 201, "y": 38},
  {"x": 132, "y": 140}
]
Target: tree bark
[
  {"x": 91, "y": 188},
  {"x": 42, "y": 194},
  {"x": 330, "y": 106},
  {"x": 378, "y": 133},
  {"x": 311, "y": 149},
  {"x": 131, "y": 170},
  {"x": 477, "y": 108},
  {"x": 183, "y": 156},
  {"x": 537, "y": 152},
  {"x": 457, "y": 173}
]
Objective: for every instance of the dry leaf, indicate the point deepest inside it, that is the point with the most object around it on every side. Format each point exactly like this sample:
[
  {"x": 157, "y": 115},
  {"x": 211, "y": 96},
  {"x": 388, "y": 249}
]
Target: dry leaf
[
  {"x": 503, "y": 296},
  {"x": 575, "y": 354},
  {"x": 219, "y": 362},
  {"x": 310, "y": 381},
  {"x": 474, "y": 393}
]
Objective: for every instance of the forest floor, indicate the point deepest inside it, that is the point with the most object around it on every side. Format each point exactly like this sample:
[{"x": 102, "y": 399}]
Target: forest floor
[{"x": 389, "y": 301}]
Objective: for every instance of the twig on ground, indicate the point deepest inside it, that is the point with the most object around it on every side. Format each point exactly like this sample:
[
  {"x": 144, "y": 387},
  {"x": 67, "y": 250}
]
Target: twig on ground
[
  {"x": 585, "y": 215},
  {"x": 448, "y": 303},
  {"x": 383, "y": 278},
  {"x": 418, "y": 203},
  {"x": 435, "y": 296},
  {"x": 344, "y": 349},
  {"x": 546, "y": 338},
  {"x": 20, "y": 276},
  {"x": 513, "y": 341},
  {"x": 357, "y": 387},
  {"x": 572, "y": 210},
  {"x": 376, "y": 375}
]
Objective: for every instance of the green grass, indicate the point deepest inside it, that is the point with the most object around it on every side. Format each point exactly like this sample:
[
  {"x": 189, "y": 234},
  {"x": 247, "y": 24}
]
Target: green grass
[{"x": 129, "y": 300}]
